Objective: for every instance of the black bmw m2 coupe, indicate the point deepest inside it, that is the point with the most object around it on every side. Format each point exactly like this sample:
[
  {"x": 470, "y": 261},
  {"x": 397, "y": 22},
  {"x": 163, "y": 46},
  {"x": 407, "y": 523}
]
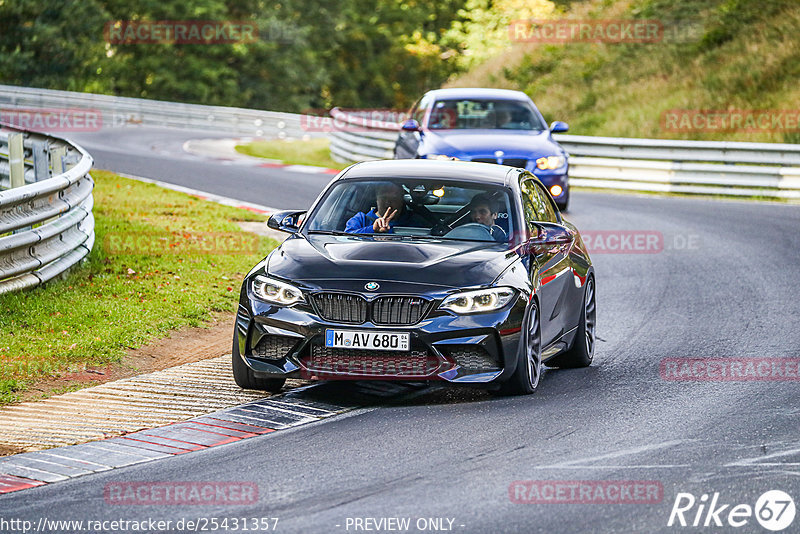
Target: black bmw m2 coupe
[{"x": 420, "y": 270}]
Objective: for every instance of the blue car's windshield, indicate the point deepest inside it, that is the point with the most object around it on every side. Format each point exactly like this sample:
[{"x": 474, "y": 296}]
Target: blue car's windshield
[
  {"x": 484, "y": 114},
  {"x": 466, "y": 211}
]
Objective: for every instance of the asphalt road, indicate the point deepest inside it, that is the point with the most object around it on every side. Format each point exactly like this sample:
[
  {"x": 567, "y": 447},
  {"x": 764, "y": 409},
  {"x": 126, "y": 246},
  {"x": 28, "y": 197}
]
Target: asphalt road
[{"x": 725, "y": 285}]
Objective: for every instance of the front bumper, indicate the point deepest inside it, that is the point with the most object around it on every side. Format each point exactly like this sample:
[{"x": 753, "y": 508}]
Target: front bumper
[
  {"x": 551, "y": 178},
  {"x": 279, "y": 342}
]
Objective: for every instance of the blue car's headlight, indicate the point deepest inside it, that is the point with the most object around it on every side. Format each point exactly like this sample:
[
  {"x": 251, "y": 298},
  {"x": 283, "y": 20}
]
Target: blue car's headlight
[
  {"x": 550, "y": 162},
  {"x": 478, "y": 300},
  {"x": 275, "y": 291}
]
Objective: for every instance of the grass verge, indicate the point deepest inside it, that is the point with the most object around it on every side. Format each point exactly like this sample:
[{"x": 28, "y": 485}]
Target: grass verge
[
  {"x": 161, "y": 260},
  {"x": 314, "y": 151}
]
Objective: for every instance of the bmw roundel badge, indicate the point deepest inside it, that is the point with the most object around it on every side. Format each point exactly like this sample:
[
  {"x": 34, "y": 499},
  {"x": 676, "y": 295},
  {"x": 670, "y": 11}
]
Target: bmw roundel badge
[{"x": 371, "y": 286}]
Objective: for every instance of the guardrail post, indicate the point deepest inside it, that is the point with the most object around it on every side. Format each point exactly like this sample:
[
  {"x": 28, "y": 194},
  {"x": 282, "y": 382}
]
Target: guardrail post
[
  {"x": 57, "y": 159},
  {"x": 41, "y": 163},
  {"x": 16, "y": 163}
]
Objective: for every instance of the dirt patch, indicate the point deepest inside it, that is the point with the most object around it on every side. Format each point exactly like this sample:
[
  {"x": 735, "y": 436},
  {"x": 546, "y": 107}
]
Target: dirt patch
[{"x": 185, "y": 345}]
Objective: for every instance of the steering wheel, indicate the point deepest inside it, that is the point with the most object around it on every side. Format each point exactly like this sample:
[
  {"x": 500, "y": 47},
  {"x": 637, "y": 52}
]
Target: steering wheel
[{"x": 471, "y": 231}]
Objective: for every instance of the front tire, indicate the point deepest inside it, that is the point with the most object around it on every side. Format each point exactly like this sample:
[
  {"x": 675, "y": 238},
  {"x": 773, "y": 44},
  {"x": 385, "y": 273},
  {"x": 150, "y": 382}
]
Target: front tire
[
  {"x": 526, "y": 376},
  {"x": 582, "y": 351},
  {"x": 245, "y": 378}
]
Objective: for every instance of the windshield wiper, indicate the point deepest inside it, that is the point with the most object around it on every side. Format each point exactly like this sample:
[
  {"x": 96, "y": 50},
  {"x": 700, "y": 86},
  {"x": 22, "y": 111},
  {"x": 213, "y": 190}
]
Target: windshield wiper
[{"x": 329, "y": 232}]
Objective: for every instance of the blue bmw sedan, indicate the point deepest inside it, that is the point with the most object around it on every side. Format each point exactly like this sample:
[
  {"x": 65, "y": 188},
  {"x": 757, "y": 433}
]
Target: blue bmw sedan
[{"x": 488, "y": 126}]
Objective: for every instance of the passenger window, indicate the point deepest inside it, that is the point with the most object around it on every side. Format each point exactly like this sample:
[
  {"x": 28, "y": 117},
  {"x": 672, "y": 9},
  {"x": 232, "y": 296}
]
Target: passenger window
[{"x": 535, "y": 205}]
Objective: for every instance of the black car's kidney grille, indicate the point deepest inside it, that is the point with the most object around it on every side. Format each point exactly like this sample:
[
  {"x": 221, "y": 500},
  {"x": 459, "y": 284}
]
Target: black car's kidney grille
[
  {"x": 398, "y": 310},
  {"x": 387, "y": 311},
  {"x": 512, "y": 162},
  {"x": 341, "y": 307}
]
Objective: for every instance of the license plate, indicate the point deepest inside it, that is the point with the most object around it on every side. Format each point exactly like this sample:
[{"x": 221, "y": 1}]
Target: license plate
[{"x": 352, "y": 339}]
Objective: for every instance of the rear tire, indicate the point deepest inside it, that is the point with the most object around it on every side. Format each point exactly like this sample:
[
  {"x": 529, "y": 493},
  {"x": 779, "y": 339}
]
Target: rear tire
[
  {"x": 526, "y": 376},
  {"x": 582, "y": 351},
  {"x": 245, "y": 378}
]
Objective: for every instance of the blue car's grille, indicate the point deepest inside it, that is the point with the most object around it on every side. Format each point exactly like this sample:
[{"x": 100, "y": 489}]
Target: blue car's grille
[
  {"x": 512, "y": 162},
  {"x": 394, "y": 310}
]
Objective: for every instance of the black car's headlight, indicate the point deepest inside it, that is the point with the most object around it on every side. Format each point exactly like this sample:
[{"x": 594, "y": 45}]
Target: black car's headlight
[
  {"x": 478, "y": 300},
  {"x": 275, "y": 291}
]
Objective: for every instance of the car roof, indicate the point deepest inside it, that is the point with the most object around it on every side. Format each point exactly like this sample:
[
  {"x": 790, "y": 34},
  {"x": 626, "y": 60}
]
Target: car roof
[
  {"x": 422, "y": 168},
  {"x": 478, "y": 92}
]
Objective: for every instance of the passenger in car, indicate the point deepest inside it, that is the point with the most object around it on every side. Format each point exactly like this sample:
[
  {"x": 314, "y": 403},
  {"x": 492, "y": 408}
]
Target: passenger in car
[
  {"x": 390, "y": 212},
  {"x": 483, "y": 210}
]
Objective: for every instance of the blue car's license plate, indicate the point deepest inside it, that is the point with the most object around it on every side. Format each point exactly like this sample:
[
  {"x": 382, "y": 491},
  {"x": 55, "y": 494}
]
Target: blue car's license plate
[{"x": 354, "y": 339}]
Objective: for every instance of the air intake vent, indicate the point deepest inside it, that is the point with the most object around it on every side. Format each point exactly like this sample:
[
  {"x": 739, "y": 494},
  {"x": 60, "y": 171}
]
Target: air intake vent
[{"x": 274, "y": 347}]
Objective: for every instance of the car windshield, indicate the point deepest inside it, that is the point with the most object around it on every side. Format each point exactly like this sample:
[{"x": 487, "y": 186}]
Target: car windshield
[
  {"x": 484, "y": 114},
  {"x": 439, "y": 209}
]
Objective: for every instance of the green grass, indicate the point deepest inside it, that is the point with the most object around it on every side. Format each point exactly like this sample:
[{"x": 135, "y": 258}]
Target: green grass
[
  {"x": 121, "y": 297},
  {"x": 314, "y": 151},
  {"x": 716, "y": 55}
]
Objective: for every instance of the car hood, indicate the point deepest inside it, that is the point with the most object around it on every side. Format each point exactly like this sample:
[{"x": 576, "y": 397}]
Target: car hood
[
  {"x": 485, "y": 142},
  {"x": 399, "y": 264}
]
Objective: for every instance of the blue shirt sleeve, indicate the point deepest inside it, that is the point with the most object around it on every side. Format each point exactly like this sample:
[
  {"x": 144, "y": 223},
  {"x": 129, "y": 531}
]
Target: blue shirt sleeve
[{"x": 360, "y": 223}]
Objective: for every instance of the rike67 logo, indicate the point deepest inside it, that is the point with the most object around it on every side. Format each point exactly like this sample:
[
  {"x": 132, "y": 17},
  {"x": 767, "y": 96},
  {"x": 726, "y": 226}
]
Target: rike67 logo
[{"x": 774, "y": 510}]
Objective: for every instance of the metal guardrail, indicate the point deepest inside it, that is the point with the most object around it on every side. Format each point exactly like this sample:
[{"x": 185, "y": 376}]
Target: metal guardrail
[
  {"x": 116, "y": 111},
  {"x": 696, "y": 167},
  {"x": 46, "y": 221}
]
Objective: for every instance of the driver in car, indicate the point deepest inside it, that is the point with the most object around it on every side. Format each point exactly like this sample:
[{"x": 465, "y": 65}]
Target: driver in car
[
  {"x": 483, "y": 210},
  {"x": 391, "y": 212}
]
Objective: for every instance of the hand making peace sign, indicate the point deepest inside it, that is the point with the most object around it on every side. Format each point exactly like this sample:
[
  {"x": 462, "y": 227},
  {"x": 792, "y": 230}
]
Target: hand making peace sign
[{"x": 381, "y": 224}]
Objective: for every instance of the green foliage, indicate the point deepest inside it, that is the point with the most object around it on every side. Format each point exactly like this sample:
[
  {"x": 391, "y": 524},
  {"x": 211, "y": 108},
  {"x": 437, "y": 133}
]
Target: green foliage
[
  {"x": 309, "y": 54},
  {"x": 714, "y": 55}
]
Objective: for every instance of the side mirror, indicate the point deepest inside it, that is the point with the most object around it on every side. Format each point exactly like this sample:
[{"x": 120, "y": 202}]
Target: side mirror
[
  {"x": 558, "y": 126},
  {"x": 286, "y": 221},
  {"x": 410, "y": 126},
  {"x": 551, "y": 235}
]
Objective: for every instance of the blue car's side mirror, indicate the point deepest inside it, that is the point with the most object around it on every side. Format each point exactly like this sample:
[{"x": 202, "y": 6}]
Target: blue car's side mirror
[
  {"x": 558, "y": 126},
  {"x": 410, "y": 126}
]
